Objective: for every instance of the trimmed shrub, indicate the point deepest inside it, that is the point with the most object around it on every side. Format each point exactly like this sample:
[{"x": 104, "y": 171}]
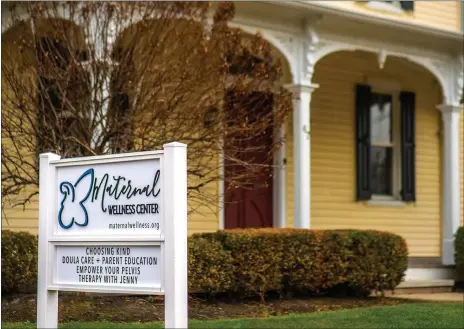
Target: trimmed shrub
[
  {"x": 344, "y": 260},
  {"x": 209, "y": 266},
  {"x": 459, "y": 253},
  {"x": 19, "y": 262},
  {"x": 375, "y": 260},
  {"x": 304, "y": 261},
  {"x": 256, "y": 260}
]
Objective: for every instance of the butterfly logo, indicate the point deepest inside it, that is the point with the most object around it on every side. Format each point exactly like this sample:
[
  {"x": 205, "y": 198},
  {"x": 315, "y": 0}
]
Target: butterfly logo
[{"x": 71, "y": 212}]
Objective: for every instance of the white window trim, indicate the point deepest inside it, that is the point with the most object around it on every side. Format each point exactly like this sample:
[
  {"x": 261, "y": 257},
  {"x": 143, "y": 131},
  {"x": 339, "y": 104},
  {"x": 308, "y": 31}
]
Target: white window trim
[
  {"x": 386, "y": 203},
  {"x": 393, "y": 8},
  {"x": 393, "y": 88}
]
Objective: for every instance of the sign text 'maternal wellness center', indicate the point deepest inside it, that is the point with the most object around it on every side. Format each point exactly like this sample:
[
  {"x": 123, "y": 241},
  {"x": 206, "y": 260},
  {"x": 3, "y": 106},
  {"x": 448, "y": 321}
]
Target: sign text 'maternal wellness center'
[{"x": 105, "y": 198}]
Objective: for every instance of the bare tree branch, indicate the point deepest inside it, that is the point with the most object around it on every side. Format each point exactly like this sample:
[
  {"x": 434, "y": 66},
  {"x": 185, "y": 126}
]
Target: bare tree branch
[{"x": 87, "y": 78}]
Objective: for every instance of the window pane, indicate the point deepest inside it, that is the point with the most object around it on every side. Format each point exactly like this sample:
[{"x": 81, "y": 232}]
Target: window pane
[
  {"x": 381, "y": 118},
  {"x": 381, "y": 170}
]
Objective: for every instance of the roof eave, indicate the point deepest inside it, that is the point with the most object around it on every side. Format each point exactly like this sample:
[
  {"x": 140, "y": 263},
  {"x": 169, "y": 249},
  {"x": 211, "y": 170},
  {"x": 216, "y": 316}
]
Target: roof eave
[{"x": 324, "y": 8}]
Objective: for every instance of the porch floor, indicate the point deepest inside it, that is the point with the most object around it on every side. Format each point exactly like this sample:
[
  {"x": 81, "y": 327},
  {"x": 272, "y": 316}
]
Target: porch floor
[
  {"x": 439, "y": 297},
  {"x": 418, "y": 283}
]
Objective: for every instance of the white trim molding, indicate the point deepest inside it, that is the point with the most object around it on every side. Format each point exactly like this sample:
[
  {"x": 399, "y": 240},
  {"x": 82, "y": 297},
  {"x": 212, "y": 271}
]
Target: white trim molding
[
  {"x": 302, "y": 153},
  {"x": 446, "y": 69},
  {"x": 284, "y": 42},
  {"x": 451, "y": 196},
  {"x": 386, "y": 203},
  {"x": 221, "y": 190},
  {"x": 279, "y": 184},
  {"x": 423, "y": 274}
]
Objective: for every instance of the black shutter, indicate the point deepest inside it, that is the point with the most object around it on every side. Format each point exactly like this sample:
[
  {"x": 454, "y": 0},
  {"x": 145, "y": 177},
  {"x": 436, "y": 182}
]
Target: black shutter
[
  {"x": 408, "y": 145},
  {"x": 363, "y": 142},
  {"x": 407, "y": 5}
]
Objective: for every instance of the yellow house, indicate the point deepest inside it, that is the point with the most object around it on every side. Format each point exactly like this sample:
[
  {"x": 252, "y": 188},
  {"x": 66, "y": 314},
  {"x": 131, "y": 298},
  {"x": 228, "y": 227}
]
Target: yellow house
[{"x": 374, "y": 141}]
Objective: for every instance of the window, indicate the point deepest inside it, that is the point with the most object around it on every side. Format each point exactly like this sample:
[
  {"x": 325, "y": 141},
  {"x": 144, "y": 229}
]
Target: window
[
  {"x": 406, "y": 5},
  {"x": 382, "y": 146},
  {"x": 62, "y": 93},
  {"x": 393, "y": 6},
  {"x": 385, "y": 144},
  {"x": 53, "y": 54},
  {"x": 120, "y": 117},
  {"x": 121, "y": 123},
  {"x": 244, "y": 63}
]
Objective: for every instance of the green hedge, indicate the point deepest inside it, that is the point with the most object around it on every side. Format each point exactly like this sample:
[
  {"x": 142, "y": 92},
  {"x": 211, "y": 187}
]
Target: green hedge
[
  {"x": 19, "y": 262},
  {"x": 459, "y": 255},
  {"x": 297, "y": 260},
  {"x": 253, "y": 262},
  {"x": 209, "y": 266}
]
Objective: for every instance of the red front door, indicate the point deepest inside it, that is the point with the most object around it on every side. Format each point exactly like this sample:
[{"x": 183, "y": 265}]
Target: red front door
[{"x": 250, "y": 203}]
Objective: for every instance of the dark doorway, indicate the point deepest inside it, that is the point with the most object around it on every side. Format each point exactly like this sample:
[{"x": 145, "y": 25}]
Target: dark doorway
[{"x": 249, "y": 205}]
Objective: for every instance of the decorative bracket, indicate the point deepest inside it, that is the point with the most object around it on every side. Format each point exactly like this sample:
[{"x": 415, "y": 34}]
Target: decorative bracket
[
  {"x": 311, "y": 45},
  {"x": 382, "y": 57},
  {"x": 459, "y": 97},
  {"x": 451, "y": 77}
]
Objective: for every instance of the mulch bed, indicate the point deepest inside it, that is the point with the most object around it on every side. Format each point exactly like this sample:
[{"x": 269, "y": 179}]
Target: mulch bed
[{"x": 84, "y": 307}]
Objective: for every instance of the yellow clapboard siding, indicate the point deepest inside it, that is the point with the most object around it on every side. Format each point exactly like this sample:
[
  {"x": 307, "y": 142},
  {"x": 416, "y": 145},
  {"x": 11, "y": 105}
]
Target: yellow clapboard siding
[
  {"x": 14, "y": 216},
  {"x": 439, "y": 14},
  {"x": 444, "y": 14},
  {"x": 30, "y": 230},
  {"x": 20, "y": 222},
  {"x": 20, "y": 218},
  {"x": 19, "y": 211},
  {"x": 333, "y": 175},
  {"x": 205, "y": 217},
  {"x": 202, "y": 225},
  {"x": 206, "y": 230}
]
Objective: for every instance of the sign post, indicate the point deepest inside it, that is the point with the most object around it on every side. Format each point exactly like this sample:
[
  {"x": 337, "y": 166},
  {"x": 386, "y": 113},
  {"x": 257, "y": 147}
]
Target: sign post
[
  {"x": 114, "y": 224},
  {"x": 176, "y": 288}
]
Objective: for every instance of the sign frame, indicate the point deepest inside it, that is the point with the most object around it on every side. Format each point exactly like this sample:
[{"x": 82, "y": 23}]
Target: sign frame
[
  {"x": 172, "y": 238},
  {"x": 114, "y": 288}
]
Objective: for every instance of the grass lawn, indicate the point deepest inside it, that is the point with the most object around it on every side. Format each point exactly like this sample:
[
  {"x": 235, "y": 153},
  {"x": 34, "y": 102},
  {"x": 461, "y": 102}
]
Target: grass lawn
[{"x": 417, "y": 315}]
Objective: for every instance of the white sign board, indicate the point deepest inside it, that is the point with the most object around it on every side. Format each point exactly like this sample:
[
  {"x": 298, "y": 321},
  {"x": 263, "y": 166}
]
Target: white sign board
[{"x": 114, "y": 224}]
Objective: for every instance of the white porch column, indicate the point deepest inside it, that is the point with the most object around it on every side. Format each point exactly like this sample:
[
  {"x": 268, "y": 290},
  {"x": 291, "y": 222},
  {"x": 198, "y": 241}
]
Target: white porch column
[
  {"x": 302, "y": 154},
  {"x": 451, "y": 182}
]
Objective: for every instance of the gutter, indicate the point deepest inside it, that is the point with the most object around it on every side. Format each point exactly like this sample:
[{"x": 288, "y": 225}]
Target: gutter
[{"x": 320, "y": 7}]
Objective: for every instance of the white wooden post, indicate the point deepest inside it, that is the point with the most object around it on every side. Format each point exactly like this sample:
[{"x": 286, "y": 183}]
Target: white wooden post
[
  {"x": 221, "y": 188},
  {"x": 451, "y": 184},
  {"x": 302, "y": 154},
  {"x": 279, "y": 184},
  {"x": 176, "y": 287},
  {"x": 47, "y": 301}
]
